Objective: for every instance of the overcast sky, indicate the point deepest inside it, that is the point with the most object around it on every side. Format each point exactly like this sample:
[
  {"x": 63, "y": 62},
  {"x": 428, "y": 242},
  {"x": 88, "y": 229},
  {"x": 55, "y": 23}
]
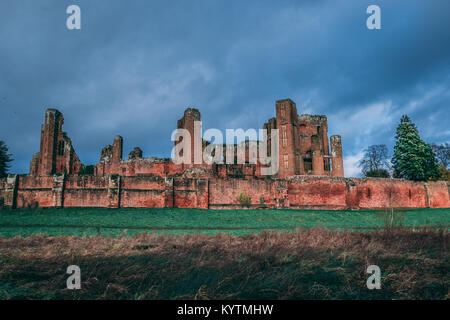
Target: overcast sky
[{"x": 136, "y": 65}]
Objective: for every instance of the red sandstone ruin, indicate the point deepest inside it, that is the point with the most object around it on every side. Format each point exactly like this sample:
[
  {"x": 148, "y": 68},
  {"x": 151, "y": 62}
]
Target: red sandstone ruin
[
  {"x": 56, "y": 154},
  {"x": 309, "y": 175},
  {"x": 303, "y": 150}
]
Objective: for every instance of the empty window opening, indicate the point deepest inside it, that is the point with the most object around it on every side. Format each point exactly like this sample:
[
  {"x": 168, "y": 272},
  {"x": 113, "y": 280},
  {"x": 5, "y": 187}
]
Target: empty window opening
[
  {"x": 326, "y": 164},
  {"x": 307, "y": 163}
]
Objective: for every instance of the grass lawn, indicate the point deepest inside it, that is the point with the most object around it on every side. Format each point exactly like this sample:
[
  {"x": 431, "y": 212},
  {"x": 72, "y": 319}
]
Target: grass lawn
[{"x": 112, "y": 222}]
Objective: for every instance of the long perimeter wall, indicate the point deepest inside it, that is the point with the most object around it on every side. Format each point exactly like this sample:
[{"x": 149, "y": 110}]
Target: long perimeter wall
[{"x": 298, "y": 192}]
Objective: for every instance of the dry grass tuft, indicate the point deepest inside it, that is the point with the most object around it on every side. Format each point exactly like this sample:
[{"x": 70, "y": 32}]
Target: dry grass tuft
[{"x": 312, "y": 264}]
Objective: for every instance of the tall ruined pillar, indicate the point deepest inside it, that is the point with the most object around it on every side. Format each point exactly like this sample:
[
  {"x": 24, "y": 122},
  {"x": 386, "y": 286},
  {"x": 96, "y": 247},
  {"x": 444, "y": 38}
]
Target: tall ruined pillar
[
  {"x": 49, "y": 135},
  {"x": 336, "y": 156},
  {"x": 117, "y": 149},
  {"x": 286, "y": 112},
  {"x": 191, "y": 115},
  {"x": 317, "y": 157}
]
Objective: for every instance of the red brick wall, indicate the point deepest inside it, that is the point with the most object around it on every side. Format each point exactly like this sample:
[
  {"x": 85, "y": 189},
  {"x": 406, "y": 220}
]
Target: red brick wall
[
  {"x": 142, "y": 198},
  {"x": 86, "y": 191},
  {"x": 34, "y": 191},
  {"x": 224, "y": 193},
  {"x": 146, "y": 192},
  {"x": 153, "y": 191},
  {"x": 315, "y": 192},
  {"x": 185, "y": 193},
  {"x": 380, "y": 193},
  {"x": 439, "y": 194}
]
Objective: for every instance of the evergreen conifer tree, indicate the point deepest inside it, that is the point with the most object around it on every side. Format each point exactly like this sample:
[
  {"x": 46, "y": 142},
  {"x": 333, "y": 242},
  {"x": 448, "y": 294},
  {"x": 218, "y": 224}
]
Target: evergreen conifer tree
[
  {"x": 413, "y": 159},
  {"x": 5, "y": 158}
]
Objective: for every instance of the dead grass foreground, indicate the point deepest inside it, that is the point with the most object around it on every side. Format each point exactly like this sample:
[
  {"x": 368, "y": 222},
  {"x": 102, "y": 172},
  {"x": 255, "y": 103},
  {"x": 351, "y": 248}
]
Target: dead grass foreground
[{"x": 310, "y": 264}]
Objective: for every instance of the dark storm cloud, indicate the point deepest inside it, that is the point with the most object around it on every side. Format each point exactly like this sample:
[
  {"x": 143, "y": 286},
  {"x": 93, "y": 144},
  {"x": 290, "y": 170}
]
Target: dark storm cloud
[{"x": 135, "y": 65}]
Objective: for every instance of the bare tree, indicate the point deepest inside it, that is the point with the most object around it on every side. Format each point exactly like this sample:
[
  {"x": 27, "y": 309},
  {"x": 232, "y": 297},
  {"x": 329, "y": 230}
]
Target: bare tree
[
  {"x": 375, "y": 161},
  {"x": 442, "y": 153}
]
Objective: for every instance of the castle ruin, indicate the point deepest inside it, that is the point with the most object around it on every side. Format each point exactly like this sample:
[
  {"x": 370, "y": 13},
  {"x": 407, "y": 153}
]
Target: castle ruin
[
  {"x": 304, "y": 149},
  {"x": 310, "y": 174}
]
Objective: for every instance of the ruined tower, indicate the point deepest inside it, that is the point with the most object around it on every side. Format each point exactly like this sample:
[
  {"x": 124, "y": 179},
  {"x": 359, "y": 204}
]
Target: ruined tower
[
  {"x": 286, "y": 113},
  {"x": 336, "y": 156},
  {"x": 191, "y": 115},
  {"x": 56, "y": 154},
  {"x": 303, "y": 142}
]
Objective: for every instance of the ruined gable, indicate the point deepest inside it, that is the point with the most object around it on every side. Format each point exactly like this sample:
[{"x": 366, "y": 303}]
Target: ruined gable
[{"x": 56, "y": 154}]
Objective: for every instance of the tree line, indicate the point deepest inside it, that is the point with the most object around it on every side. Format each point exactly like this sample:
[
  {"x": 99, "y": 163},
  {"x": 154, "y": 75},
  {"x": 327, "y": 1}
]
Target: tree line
[{"x": 413, "y": 158}]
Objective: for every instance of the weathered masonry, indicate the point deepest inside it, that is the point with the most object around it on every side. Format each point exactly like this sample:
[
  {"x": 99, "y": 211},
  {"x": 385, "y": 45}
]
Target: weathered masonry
[
  {"x": 299, "y": 192},
  {"x": 303, "y": 143},
  {"x": 56, "y": 154},
  {"x": 304, "y": 149},
  {"x": 310, "y": 175}
]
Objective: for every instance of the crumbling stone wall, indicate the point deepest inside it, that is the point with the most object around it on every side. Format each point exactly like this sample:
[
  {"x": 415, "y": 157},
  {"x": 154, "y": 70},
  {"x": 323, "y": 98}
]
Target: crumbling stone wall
[
  {"x": 110, "y": 158},
  {"x": 135, "y": 154}
]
